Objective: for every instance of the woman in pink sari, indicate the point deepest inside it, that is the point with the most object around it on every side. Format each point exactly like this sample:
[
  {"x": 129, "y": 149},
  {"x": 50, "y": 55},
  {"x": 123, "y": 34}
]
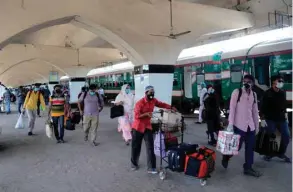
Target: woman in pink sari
[{"x": 125, "y": 98}]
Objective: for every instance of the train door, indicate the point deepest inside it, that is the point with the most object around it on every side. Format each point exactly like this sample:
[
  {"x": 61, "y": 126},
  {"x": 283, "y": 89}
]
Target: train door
[
  {"x": 188, "y": 82},
  {"x": 262, "y": 72}
]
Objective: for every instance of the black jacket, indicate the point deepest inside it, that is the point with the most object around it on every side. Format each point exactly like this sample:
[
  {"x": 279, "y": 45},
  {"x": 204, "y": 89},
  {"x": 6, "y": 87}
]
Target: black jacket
[{"x": 273, "y": 106}]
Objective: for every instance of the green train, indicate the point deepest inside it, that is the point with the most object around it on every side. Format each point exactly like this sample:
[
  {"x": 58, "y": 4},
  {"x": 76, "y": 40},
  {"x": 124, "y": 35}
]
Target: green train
[{"x": 222, "y": 70}]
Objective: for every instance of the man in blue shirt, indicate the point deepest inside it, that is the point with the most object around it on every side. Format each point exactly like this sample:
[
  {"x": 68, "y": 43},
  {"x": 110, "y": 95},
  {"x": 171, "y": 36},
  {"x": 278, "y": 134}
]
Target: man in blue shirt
[{"x": 7, "y": 100}]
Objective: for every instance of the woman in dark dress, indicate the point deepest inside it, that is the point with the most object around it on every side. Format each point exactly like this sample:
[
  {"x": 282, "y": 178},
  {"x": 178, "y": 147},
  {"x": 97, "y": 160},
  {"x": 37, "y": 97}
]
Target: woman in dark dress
[{"x": 212, "y": 113}]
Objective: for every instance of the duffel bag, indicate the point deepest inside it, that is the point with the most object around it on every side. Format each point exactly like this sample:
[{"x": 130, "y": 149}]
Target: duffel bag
[
  {"x": 69, "y": 125},
  {"x": 266, "y": 143},
  {"x": 176, "y": 156},
  {"x": 75, "y": 117},
  {"x": 200, "y": 164}
]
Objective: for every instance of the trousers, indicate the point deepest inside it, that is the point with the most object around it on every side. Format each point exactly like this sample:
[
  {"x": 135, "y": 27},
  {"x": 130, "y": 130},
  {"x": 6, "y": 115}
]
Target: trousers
[
  {"x": 285, "y": 133},
  {"x": 137, "y": 138},
  {"x": 201, "y": 107},
  {"x": 58, "y": 122},
  {"x": 91, "y": 123},
  {"x": 32, "y": 114}
]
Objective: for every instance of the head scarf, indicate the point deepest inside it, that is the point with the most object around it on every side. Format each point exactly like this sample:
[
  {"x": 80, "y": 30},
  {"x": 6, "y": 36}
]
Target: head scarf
[{"x": 128, "y": 99}]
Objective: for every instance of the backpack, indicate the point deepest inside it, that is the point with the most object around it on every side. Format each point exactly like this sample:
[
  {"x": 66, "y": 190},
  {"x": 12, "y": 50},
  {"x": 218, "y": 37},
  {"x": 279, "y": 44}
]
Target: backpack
[
  {"x": 84, "y": 96},
  {"x": 240, "y": 93}
]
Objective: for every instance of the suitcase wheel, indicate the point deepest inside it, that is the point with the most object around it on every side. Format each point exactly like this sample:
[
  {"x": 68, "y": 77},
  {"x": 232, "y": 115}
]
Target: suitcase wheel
[
  {"x": 203, "y": 182},
  {"x": 162, "y": 174}
]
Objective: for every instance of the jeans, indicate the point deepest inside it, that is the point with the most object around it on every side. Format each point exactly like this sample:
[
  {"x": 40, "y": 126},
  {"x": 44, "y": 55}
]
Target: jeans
[
  {"x": 136, "y": 147},
  {"x": 285, "y": 133},
  {"x": 58, "y": 122},
  {"x": 38, "y": 109},
  {"x": 7, "y": 106},
  {"x": 19, "y": 107},
  {"x": 249, "y": 139}
]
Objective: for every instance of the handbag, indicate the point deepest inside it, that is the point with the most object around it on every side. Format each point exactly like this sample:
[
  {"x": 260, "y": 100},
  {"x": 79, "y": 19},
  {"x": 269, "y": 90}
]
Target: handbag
[
  {"x": 69, "y": 125},
  {"x": 116, "y": 111}
]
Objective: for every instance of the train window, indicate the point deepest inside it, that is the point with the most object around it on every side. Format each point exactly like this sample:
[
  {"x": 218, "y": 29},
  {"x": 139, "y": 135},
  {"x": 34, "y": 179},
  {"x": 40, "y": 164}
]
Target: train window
[
  {"x": 262, "y": 70},
  {"x": 200, "y": 78},
  {"x": 236, "y": 73},
  {"x": 287, "y": 75}
]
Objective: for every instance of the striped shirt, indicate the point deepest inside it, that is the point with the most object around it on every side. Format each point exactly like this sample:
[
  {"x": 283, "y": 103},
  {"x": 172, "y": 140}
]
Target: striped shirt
[{"x": 57, "y": 106}]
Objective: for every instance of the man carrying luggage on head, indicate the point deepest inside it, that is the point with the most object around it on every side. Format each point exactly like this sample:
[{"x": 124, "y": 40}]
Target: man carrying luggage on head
[
  {"x": 142, "y": 129},
  {"x": 243, "y": 120},
  {"x": 273, "y": 115}
]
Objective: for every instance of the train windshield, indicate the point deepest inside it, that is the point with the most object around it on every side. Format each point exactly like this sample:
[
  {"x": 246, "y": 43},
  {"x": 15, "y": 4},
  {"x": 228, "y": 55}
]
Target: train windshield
[{"x": 200, "y": 78}]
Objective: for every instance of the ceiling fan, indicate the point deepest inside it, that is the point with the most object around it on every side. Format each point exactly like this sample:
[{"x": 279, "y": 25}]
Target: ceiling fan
[
  {"x": 78, "y": 64},
  {"x": 172, "y": 35}
]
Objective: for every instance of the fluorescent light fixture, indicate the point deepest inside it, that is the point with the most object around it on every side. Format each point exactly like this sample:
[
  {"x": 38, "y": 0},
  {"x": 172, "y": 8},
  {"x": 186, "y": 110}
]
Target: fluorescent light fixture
[
  {"x": 64, "y": 78},
  {"x": 113, "y": 68},
  {"x": 240, "y": 43}
]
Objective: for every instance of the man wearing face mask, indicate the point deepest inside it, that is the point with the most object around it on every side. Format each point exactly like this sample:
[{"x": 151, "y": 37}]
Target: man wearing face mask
[
  {"x": 243, "y": 120},
  {"x": 273, "y": 115},
  {"x": 31, "y": 105},
  {"x": 203, "y": 94},
  {"x": 142, "y": 129},
  {"x": 56, "y": 112},
  {"x": 93, "y": 104}
]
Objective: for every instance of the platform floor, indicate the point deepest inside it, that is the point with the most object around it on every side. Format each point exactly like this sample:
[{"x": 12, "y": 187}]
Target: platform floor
[{"x": 37, "y": 164}]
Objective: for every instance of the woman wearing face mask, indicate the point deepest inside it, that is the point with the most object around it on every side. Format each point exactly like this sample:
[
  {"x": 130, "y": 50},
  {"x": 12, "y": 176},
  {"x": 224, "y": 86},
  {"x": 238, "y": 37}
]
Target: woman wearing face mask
[
  {"x": 125, "y": 98},
  {"x": 273, "y": 115},
  {"x": 212, "y": 115}
]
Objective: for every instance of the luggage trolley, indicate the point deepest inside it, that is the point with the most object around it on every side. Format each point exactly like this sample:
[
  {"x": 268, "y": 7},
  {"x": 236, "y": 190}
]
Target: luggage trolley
[{"x": 163, "y": 128}]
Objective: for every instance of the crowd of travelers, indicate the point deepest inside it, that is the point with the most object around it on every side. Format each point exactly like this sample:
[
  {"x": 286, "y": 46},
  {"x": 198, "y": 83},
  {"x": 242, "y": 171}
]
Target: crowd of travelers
[{"x": 135, "y": 124}]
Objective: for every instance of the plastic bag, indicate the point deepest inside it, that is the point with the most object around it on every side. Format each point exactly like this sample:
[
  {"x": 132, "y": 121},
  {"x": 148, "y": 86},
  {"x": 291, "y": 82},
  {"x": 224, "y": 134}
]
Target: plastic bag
[
  {"x": 49, "y": 129},
  {"x": 158, "y": 143},
  {"x": 228, "y": 143},
  {"x": 20, "y": 122}
]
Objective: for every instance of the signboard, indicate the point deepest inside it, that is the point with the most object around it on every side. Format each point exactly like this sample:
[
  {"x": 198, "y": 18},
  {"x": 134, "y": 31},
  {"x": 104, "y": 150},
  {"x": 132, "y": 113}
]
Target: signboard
[{"x": 53, "y": 76}]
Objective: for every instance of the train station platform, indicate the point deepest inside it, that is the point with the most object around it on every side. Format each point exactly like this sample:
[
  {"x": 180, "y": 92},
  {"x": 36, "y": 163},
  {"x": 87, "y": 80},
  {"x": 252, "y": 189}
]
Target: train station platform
[{"x": 31, "y": 164}]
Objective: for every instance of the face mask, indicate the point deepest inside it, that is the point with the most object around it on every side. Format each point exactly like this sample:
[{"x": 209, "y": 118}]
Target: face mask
[
  {"x": 36, "y": 89},
  {"x": 127, "y": 91},
  {"x": 280, "y": 85},
  {"x": 58, "y": 91},
  {"x": 92, "y": 93},
  {"x": 150, "y": 96},
  {"x": 212, "y": 91},
  {"x": 247, "y": 85}
]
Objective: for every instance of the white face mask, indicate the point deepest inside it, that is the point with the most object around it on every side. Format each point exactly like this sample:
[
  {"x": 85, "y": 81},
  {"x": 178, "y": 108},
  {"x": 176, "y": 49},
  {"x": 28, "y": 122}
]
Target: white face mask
[{"x": 280, "y": 85}]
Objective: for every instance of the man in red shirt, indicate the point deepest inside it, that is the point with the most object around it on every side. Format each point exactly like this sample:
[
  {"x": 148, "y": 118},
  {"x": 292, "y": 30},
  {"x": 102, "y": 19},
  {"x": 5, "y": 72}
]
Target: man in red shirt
[{"x": 142, "y": 129}]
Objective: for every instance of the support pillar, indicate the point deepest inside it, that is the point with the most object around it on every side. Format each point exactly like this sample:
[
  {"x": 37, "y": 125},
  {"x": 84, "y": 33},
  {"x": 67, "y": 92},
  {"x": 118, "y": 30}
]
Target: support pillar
[
  {"x": 75, "y": 85},
  {"x": 159, "y": 76},
  {"x": 51, "y": 85}
]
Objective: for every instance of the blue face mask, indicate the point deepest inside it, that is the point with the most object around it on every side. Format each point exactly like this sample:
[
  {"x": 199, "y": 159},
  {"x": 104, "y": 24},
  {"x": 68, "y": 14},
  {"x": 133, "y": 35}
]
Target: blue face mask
[
  {"x": 92, "y": 93},
  {"x": 37, "y": 89},
  {"x": 127, "y": 91}
]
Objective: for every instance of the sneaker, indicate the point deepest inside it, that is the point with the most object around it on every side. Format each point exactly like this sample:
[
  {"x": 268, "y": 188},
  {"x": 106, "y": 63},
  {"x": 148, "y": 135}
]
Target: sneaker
[
  {"x": 212, "y": 143},
  {"x": 62, "y": 141},
  {"x": 267, "y": 158},
  {"x": 86, "y": 138},
  {"x": 252, "y": 172},
  {"x": 152, "y": 171},
  {"x": 225, "y": 162},
  {"x": 58, "y": 141},
  {"x": 285, "y": 158},
  {"x": 95, "y": 143},
  {"x": 30, "y": 134},
  {"x": 198, "y": 122},
  {"x": 134, "y": 168}
]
